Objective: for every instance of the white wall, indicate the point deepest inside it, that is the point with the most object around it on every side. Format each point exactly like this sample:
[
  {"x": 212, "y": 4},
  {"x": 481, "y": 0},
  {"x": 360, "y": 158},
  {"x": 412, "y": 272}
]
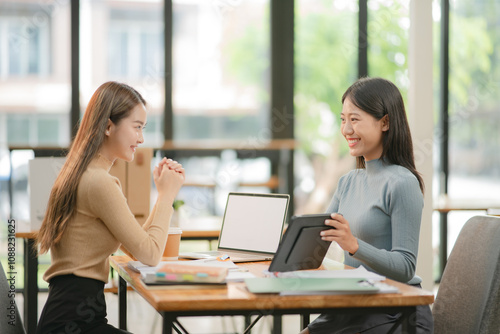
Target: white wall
[{"x": 421, "y": 122}]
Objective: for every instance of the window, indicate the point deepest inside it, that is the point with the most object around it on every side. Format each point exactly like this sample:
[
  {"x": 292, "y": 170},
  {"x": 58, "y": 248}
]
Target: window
[
  {"x": 388, "y": 36},
  {"x": 123, "y": 41},
  {"x": 474, "y": 115},
  {"x": 34, "y": 72},
  {"x": 18, "y": 129},
  {"x": 24, "y": 31},
  {"x": 135, "y": 43},
  {"x": 474, "y": 118},
  {"x": 221, "y": 69},
  {"x": 326, "y": 48}
]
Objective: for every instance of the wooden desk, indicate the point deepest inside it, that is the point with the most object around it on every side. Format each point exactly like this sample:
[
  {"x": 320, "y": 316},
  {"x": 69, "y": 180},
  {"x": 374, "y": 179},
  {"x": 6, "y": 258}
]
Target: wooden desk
[
  {"x": 203, "y": 228},
  {"x": 237, "y": 300},
  {"x": 494, "y": 211},
  {"x": 223, "y": 144},
  {"x": 444, "y": 205},
  {"x": 30, "y": 290},
  {"x": 195, "y": 230}
]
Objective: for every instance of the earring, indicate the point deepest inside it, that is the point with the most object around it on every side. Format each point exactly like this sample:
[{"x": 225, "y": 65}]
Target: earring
[{"x": 107, "y": 132}]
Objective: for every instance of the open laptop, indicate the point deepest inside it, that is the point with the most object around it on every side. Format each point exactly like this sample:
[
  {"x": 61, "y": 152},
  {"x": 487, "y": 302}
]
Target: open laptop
[{"x": 252, "y": 227}]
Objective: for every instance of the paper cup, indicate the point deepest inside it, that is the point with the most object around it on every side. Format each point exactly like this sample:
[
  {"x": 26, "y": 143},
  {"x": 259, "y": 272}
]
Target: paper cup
[{"x": 171, "y": 252}]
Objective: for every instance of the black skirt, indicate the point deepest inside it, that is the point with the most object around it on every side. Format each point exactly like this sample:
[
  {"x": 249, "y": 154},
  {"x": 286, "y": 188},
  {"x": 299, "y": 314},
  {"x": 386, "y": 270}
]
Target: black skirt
[
  {"x": 370, "y": 323},
  {"x": 75, "y": 305}
]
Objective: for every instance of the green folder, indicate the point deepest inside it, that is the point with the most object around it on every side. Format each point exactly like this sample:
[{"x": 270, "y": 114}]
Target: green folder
[{"x": 310, "y": 285}]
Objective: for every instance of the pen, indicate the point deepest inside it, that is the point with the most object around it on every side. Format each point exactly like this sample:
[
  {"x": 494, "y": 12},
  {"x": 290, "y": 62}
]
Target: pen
[{"x": 367, "y": 282}]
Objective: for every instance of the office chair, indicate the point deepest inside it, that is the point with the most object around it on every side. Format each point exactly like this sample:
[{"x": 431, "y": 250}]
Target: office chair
[
  {"x": 10, "y": 323},
  {"x": 468, "y": 298}
]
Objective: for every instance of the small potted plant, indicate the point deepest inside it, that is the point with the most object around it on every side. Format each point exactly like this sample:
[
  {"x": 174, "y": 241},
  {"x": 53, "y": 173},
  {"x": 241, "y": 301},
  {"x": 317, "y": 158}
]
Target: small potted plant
[{"x": 175, "y": 221}]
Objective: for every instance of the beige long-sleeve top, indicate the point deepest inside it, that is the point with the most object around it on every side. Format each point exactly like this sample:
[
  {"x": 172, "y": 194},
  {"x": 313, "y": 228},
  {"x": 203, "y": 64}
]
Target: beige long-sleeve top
[{"x": 102, "y": 222}]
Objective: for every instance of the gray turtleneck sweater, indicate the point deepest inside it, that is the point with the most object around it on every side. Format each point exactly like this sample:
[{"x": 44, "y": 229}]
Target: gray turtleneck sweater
[{"x": 383, "y": 205}]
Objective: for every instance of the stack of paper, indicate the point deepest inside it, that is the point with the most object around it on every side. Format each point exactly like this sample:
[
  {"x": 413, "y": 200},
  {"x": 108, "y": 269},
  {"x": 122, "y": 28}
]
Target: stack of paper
[
  {"x": 359, "y": 272},
  {"x": 175, "y": 273},
  {"x": 318, "y": 282},
  {"x": 150, "y": 275}
]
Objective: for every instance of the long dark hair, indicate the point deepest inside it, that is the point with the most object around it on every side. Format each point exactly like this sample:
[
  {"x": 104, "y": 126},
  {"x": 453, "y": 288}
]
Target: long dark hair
[
  {"x": 111, "y": 101},
  {"x": 379, "y": 97}
]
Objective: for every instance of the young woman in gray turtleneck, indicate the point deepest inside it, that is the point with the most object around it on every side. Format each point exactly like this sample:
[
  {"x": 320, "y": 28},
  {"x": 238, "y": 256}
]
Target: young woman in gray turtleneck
[{"x": 377, "y": 208}]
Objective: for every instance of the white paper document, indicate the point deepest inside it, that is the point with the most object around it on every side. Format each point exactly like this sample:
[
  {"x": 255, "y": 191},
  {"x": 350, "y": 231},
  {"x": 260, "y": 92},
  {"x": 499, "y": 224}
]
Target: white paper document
[{"x": 359, "y": 272}]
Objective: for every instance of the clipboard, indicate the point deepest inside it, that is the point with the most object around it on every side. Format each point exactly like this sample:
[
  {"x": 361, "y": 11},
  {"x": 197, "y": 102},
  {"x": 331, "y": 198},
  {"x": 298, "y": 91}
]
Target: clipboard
[{"x": 302, "y": 247}]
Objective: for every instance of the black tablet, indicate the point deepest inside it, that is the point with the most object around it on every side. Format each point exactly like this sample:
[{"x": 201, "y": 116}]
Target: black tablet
[{"x": 302, "y": 247}]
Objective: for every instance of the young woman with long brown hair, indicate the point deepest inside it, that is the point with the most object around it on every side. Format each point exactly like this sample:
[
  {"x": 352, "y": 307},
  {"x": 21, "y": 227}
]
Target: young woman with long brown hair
[
  {"x": 88, "y": 218},
  {"x": 377, "y": 208}
]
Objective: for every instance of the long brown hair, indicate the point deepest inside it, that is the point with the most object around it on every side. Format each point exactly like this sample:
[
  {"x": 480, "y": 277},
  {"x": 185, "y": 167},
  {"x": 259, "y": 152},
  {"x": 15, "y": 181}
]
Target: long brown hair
[
  {"x": 380, "y": 97},
  {"x": 111, "y": 101}
]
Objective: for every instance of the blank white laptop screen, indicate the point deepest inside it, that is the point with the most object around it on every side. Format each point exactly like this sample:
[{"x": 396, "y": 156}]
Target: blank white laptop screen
[{"x": 253, "y": 222}]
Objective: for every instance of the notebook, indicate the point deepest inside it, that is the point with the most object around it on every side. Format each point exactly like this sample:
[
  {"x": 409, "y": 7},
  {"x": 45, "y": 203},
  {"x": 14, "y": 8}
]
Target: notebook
[
  {"x": 252, "y": 227},
  {"x": 311, "y": 286}
]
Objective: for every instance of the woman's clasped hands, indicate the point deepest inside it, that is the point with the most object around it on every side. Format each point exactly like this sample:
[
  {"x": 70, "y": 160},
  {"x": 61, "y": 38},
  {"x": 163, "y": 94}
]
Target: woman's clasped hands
[{"x": 169, "y": 175}]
